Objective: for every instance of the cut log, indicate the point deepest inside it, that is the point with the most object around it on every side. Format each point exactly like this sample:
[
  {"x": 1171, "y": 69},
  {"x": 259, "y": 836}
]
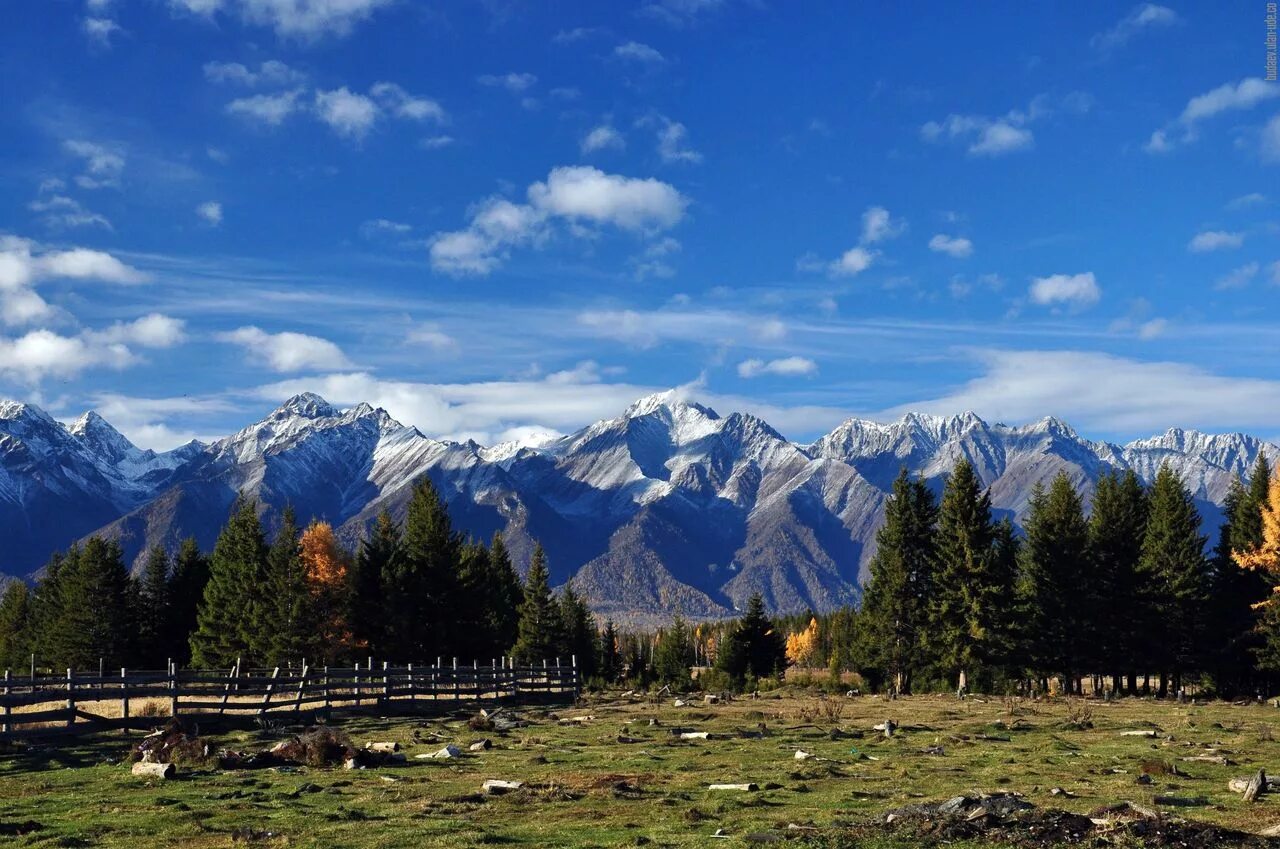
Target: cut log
[
  {"x": 143, "y": 769},
  {"x": 710, "y": 699},
  {"x": 480, "y": 746},
  {"x": 1147, "y": 733},
  {"x": 382, "y": 747},
  {"x": 449, "y": 751},
  {"x": 695, "y": 735},
  {"x": 747, "y": 788},
  {"x": 802, "y": 755},
  {"x": 496, "y": 787},
  {"x": 1256, "y": 786},
  {"x": 679, "y": 703}
]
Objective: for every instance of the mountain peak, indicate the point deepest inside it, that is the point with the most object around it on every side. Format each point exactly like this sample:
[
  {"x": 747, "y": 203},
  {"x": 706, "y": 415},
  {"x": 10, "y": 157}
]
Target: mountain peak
[
  {"x": 308, "y": 405},
  {"x": 672, "y": 399}
]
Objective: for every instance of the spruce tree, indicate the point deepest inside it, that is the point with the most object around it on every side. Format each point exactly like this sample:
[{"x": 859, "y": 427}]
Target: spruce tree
[
  {"x": 235, "y": 603},
  {"x": 753, "y": 646},
  {"x": 378, "y": 555},
  {"x": 96, "y": 617},
  {"x": 673, "y": 655},
  {"x": 15, "y": 625},
  {"x": 421, "y": 588},
  {"x": 970, "y": 606},
  {"x": 1055, "y": 559},
  {"x": 1173, "y": 567},
  {"x": 187, "y": 581},
  {"x": 895, "y": 603},
  {"x": 46, "y": 609},
  {"x": 286, "y": 631},
  {"x": 1237, "y": 591},
  {"x": 581, "y": 640},
  {"x": 1117, "y": 527},
  {"x": 502, "y": 595},
  {"x": 154, "y": 614},
  {"x": 540, "y": 630},
  {"x": 610, "y": 654},
  {"x": 473, "y": 636}
]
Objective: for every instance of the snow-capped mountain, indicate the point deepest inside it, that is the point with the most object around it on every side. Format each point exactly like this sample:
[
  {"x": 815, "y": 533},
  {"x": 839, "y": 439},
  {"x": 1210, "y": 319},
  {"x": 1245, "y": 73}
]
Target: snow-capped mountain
[{"x": 667, "y": 507}]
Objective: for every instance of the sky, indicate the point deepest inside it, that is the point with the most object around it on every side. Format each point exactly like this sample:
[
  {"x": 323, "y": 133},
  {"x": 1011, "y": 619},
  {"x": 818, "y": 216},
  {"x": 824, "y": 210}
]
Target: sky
[{"x": 500, "y": 220}]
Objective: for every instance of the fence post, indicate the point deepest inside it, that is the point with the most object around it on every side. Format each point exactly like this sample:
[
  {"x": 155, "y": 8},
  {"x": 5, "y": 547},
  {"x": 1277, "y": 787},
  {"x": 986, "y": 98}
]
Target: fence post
[
  {"x": 457, "y": 687},
  {"x": 71, "y": 699},
  {"x": 327, "y": 703},
  {"x": 173, "y": 688},
  {"x": 102, "y": 672},
  {"x": 356, "y": 679},
  {"x": 271, "y": 686},
  {"x": 5, "y": 725},
  {"x": 413, "y": 694},
  {"x": 577, "y": 688},
  {"x": 302, "y": 685},
  {"x": 386, "y": 685},
  {"x": 124, "y": 696}
]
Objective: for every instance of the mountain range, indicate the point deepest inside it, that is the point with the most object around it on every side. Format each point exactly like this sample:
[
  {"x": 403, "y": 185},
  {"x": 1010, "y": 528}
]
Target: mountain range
[{"x": 667, "y": 507}]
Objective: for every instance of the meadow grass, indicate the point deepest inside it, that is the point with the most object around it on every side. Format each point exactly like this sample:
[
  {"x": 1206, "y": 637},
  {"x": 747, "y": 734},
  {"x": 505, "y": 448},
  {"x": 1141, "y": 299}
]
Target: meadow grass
[{"x": 585, "y": 788}]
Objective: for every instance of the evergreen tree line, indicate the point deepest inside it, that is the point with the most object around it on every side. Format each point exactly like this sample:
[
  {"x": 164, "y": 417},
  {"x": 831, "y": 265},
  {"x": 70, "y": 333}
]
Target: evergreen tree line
[{"x": 1122, "y": 595}]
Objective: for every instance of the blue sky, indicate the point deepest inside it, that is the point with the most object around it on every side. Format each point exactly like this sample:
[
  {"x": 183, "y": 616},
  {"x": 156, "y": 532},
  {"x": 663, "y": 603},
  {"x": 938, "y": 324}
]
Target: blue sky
[{"x": 503, "y": 219}]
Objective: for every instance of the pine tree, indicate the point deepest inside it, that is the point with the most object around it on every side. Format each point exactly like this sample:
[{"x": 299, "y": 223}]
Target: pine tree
[
  {"x": 378, "y": 556},
  {"x": 235, "y": 604},
  {"x": 187, "y": 581},
  {"x": 1173, "y": 568},
  {"x": 581, "y": 640},
  {"x": 286, "y": 631},
  {"x": 473, "y": 635},
  {"x": 423, "y": 604},
  {"x": 95, "y": 621},
  {"x": 502, "y": 595},
  {"x": 540, "y": 629},
  {"x": 895, "y": 604},
  {"x": 154, "y": 614},
  {"x": 46, "y": 609},
  {"x": 610, "y": 654},
  {"x": 1263, "y": 559},
  {"x": 328, "y": 580},
  {"x": 673, "y": 655},
  {"x": 970, "y": 605},
  {"x": 1055, "y": 559},
  {"x": 1117, "y": 527},
  {"x": 15, "y": 625},
  {"x": 753, "y": 646}
]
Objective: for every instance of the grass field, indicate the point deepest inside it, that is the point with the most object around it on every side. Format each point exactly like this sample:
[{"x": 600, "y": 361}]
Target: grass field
[{"x": 585, "y": 788}]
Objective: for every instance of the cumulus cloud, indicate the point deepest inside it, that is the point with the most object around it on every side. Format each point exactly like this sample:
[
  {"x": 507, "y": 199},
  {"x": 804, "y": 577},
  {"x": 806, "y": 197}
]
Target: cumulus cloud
[
  {"x": 267, "y": 109},
  {"x": 513, "y": 82},
  {"x": 878, "y": 225},
  {"x": 288, "y": 351},
  {"x": 210, "y": 212},
  {"x": 62, "y": 212},
  {"x": 1215, "y": 240},
  {"x": 852, "y": 262},
  {"x": 1238, "y": 278},
  {"x": 100, "y": 30},
  {"x": 784, "y": 367},
  {"x": 1140, "y": 19},
  {"x": 270, "y": 73},
  {"x": 1269, "y": 141},
  {"x": 1076, "y": 290},
  {"x": 147, "y": 422},
  {"x": 956, "y": 246},
  {"x": 102, "y": 164},
  {"x": 151, "y": 331},
  {"x": 1229, "y": 97},
  {"x": 305, "y": 20},
  {"x": 347, "y": 114},
  {"x": 22, "y": 307},
  {"x": 431, "y": 336},
  {"x": 577, "y": 195},
  {"x": 603, "y": 137},
  {"x": 43, "y": 353},
  {"x": 23, "y": 263},
  {"x": 400, "y": 103},
  {"x": 1008, "y": 133},
  {"x": 634, "y": 51}
]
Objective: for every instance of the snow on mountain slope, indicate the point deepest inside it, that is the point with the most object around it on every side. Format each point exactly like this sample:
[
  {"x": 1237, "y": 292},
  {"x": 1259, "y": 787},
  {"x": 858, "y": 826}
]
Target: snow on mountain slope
[{"x": 668, "y": 506}]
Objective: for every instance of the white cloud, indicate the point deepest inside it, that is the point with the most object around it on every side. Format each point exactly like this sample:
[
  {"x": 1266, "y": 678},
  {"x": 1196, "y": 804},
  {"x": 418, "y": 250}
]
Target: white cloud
[
  {"x": 151, "y": 331},
  {"x": 602, "y": 137},
  {"x": 103, "y": 165},
  {"x": 348, "y": 114},
  {"x": 512, "y": 82},
  {"x": 60, "y": 211},
  {"x": 43, "y": 353},
  {"x": 210, "y": 212},
  {"x": 1153, "y": 329},
  {"x": 1008, "y": 133},
  {"x": 1000, "y": 138},
  {"x": 1078, "y": 290},
  {"x": 100, "y": 30},
  {"x": 634, "y": 51},
  {"x": 23, "y": 306},
  {"x": 878, "y": 225},
  {"x": 680, "y": 13},
  {"x": 1141, "y": 18},
  {"x": 23, "y": 263},
  {"x": 404, "y": 105},
  {"x": 1098, "y": 391},
  {"x": 1229, "y": 97},
  {"x": 1269, "y": 141},
  {"x": 1215, "y": 240},
  {"x": 143, "y": 420},
  {"x": 436, "y": 142},
  {"x": 270, "y": 73},
  {"x": 268, "y": 109},
  {"x": 431, "y": 336},
  {"x": 1273, "y": 271},
  {"x": 305, "y": 20},
  {"x": 852, "y": 262},
  {"x": 382, "y": 226},
  {"x": 784, "y": 367},
  {"x": 1246, "y": 201},
  {"x": 287, "y": 351},
  {"x": 956, "y": 246},
  {"x": 1238, "y": 278}
]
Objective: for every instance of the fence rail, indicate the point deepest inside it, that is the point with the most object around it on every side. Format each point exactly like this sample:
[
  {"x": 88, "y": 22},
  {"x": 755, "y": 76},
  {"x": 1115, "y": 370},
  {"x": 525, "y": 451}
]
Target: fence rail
[{"x": 93, "y": 701}]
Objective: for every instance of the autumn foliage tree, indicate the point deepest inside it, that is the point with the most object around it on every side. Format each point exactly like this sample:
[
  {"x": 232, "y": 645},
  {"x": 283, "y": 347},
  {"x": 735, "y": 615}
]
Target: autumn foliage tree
[
  {"x": 1265, "y": 558},
  {"x": 802, "y": 644},
  {"x": 328, "y": 577}
]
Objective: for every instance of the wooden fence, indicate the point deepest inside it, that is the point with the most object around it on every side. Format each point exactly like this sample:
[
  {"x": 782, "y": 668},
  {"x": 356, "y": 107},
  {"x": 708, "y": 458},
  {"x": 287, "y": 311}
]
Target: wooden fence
[{"x": 80, "y": 702}]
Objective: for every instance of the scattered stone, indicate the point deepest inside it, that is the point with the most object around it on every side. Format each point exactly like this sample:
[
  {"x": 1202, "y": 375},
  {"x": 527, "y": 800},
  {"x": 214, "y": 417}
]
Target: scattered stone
[
  {"x": 748, "y": 788},
  {"x": 480, "y": 745},
  {"x": 147, "y": 769},
  {"x": 497, "y": 787}
]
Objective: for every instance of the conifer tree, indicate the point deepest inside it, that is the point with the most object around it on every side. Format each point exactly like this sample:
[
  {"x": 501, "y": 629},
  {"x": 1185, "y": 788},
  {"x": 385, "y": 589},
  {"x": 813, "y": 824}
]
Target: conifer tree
[
  {"x": 895, "y": 603},
  {"x": 472, "y": 636},
  {"x": 187, "y": 581},
  {"x": 540, "y": 629},
  {"x": 1173, "y": 567},
  {"x": 423, "y": 605},
  {"x": 15, "y": 625},
  {"x": 378, "y": 555},
  {"x": 502, "y": 595},
  {"x": 673, "y": 655},
  {"x": 1238, "y": 592},
  {"x": 970, "y": 605},
  {"x": 234, "y": 604},
  {"x": 286, "y": 631},
  {"x": 1055, "y": 560},
  {"x": 610, "y": 654},
  {"x": 753, "y": 646},
  {"x": 1117, "y": 527},
  {"x": 1264, "y": 560},
  {"x": 154, "y": 614},
  {"x": 46, "y": 608},
  {"x": 95, "y": 621},
  {"x": 328, "y": 580},
  {"x": 581, "y": 640}
]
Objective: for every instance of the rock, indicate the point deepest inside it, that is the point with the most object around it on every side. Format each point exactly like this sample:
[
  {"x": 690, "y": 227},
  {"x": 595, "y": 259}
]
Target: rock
[
  {"x": 496, "y": 787},
  {"x": 748, "y": 788},
  {"x": 480, "y": 746},
  {"x": 1256, "y": 786},
  {"x": 145, "y": 769},
  {"x": 802, "y": 755},
  {"x": 449, "y": 751}
]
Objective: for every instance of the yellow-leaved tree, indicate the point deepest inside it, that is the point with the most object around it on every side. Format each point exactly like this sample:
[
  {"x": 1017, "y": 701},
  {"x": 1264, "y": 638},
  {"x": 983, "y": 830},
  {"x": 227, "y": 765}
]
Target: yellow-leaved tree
[
  {"x": 802, "y": 644},
  {"x": 328, "y": 575},
  {"x": 1265, "y": 558}
]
